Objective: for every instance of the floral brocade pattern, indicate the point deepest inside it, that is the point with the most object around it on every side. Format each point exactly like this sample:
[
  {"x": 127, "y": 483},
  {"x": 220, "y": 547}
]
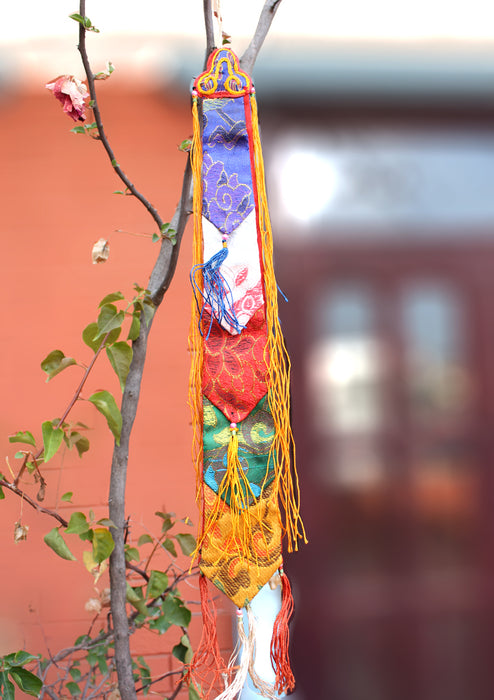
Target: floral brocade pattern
[
  {"x": 242, "y": 578},
  {"x": 235, "y": 372},
  {"x": 226, "y": 173},
  {"x": 255, "y": 440}
]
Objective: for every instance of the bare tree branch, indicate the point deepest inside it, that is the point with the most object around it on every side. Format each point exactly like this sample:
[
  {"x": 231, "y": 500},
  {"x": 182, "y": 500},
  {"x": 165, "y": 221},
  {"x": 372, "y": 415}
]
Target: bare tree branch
[
  {"x": 164, "y": 268},
  {"x": 263, "y": 26},
  {"x": 208, "y": 22},
  {"x": 19, "y": 492},
  {"x": 144, "y": 686},
  {"x": 101, "y": 131}
]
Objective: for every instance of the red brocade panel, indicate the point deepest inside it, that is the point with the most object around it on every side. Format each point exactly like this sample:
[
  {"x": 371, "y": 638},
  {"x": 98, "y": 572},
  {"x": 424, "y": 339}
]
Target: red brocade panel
[{"x": 235, "y": 366}]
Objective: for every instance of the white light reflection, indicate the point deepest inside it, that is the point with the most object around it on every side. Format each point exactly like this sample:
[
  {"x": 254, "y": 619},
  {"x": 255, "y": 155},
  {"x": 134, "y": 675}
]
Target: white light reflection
[{"x": 308, "y": 183}]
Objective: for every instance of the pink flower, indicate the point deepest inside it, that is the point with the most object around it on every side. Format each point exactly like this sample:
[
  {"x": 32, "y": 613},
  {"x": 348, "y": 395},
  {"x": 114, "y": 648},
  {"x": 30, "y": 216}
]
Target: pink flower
[{"x": 71, "y": 93}]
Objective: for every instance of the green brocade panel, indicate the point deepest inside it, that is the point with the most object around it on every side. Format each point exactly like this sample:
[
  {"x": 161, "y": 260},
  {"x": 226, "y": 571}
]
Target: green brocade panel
[{"x": 255, "y": 438}]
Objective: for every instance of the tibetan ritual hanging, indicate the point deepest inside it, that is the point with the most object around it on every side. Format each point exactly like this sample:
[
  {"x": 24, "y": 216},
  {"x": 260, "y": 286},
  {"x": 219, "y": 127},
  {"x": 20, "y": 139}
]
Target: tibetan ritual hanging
[{"x": 247, "y": 485}]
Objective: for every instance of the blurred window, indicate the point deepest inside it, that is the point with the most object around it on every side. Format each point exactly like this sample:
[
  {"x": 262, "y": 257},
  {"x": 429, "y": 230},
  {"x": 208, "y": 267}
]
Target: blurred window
[{"x": 400, "y": 183}]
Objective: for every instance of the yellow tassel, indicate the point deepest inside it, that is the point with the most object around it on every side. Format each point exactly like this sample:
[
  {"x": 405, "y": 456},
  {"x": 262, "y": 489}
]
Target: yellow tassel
[
  {"x": 286, "y": 478},
  {"x": 234, "y": 484}
]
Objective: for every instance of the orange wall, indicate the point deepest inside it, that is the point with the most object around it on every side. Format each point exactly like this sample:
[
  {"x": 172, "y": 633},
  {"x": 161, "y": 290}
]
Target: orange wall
[{"x": 56, "y": 202}]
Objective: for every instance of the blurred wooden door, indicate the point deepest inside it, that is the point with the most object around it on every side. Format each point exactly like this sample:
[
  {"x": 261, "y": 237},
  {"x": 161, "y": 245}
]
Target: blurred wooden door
[{"x": 393, "y": 395}]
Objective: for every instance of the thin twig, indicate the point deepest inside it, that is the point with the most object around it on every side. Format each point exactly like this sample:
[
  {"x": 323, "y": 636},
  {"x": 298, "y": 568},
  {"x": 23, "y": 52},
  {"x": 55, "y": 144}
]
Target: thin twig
[
  {"x": 14, "y": 485},
  {"x": 96, "y": 690},
  {"x": 22, "y": 468},
  {"x": 158, "y": 679},
  {"x": 88, "y": 682},
  {"x": 71, "y": 404},
  {"x": 41, "y": 509},
  {"x": 80, "y": 387},
  {"x": 97, "y": 118},
  {"x": 176, "y": 691},
  {"x": 139, "y": 571}
]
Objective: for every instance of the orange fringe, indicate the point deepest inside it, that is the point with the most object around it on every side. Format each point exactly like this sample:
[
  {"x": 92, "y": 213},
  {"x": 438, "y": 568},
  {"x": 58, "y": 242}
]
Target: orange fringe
[
  {"x": 207, "y": 668},
  {"x": 195, "y": 338},
  {"x": 280, "y": 640},
  {"x": 283, "y": 448}
]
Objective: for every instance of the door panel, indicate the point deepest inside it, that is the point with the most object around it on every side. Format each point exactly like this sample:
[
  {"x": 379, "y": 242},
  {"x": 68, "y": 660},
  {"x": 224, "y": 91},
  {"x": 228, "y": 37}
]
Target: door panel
[{"x": 389, "y": 407}]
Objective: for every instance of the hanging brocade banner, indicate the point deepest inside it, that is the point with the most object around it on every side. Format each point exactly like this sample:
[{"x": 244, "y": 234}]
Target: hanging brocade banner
[{"x": 247, "y": 485}]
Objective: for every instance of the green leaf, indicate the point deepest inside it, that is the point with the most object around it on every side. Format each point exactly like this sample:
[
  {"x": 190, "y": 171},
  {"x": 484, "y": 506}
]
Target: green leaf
[
  {"x": 75, "y": 673},
  {"x": 183, "y": 650},
  {"x": 52, "y": 439},
  {"x": 77, "y": 524},
  {"x": 55, "y": 541},
  {"x": 81, "y": 444},
  {"x": 114, "y": 296},
  {"x": 86, "y": 536},
  {"x": 105, "y": 403},
  {"x": 85, "y": 21},
  {"x": 132, "y": 553},
  {"x": 56, "y": 362},
  {"x": 185, "y": 146},
  {"x": 89, "y": 334},
  {"x": 67, "y": 496},
  {"x": 2, "y": 494},
  {"x": 120, "y": 356},
  {"x": 148, "y": 308},
  {"x": 170, "y": 547},
  {"x": 134, "y": 597},
  {"x": 167, "y": 520},
  {"x": 156, "y": 237},
  {"x": 8, "y": 692},
  {"x": 109, "y": 319},
  {"x": 23, "y": 436},
  {"x": 19, "y": 658},
  {"x": 103, "y": 544},
  {"x": 175, "y": 611},
  {"x": 114, "y": 163},
  {"x": 144, "y": 539},
  {"x": 73, "y": 688},
  {"x": 187, "y": 543},
  {"x": 157, "y": 584},
  {"x": 27, "y": 681},
  {"x": 160, "y": 624},
  {"x": 143, "y": 663},
  {"x": 77, "y": 17},
  {"x": 193, "y": 693},
  {"x": 78, "y": 130},
  {"x": 135, "y": 326},
  {"x": 106, "y": 522},
  {"x": 145, "y": 674}
]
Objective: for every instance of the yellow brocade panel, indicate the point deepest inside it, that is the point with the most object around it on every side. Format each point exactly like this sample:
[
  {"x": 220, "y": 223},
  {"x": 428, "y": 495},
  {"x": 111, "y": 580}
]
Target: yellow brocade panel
[{"x": 240, "y": 577}]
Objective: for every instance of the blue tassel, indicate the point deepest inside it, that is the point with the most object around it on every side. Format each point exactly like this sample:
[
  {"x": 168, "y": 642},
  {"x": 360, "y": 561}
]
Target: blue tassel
[{"x": 216, "y": 293}]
